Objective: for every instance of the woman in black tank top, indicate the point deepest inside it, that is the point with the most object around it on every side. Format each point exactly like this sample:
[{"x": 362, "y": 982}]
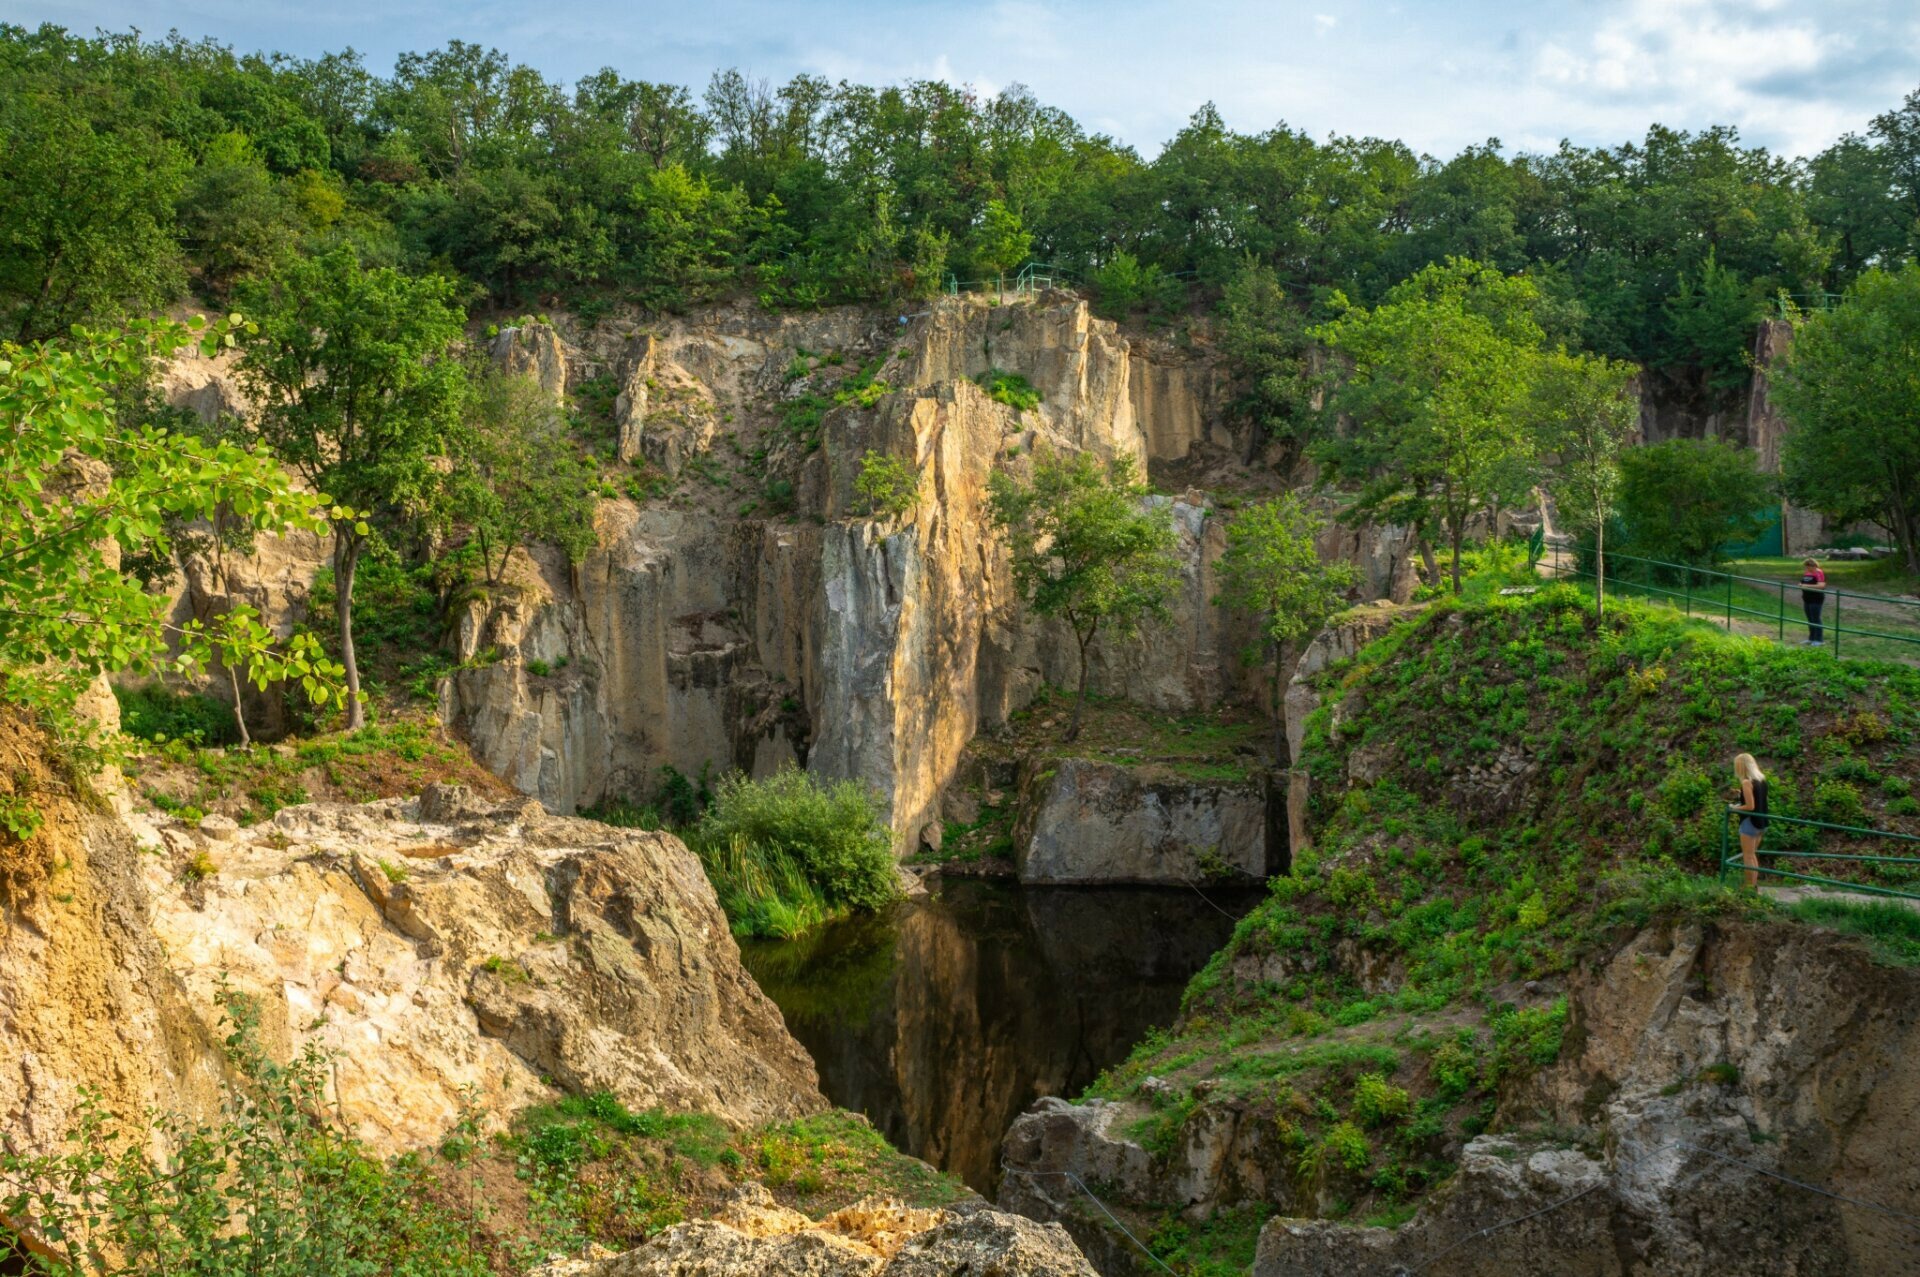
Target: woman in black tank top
[{"x": 1753, "y": 813}]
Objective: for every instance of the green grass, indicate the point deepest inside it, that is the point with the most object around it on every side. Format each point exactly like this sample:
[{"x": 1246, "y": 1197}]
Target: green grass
[
  {"x": 1612, "y": 747},
  {"x": 161, "y": 714},
  {"x": 1892, "y": 931}
]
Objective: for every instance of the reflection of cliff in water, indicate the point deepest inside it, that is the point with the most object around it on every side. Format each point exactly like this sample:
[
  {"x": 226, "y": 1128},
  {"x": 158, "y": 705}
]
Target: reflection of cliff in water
[{"x": 945, "y": 1020}]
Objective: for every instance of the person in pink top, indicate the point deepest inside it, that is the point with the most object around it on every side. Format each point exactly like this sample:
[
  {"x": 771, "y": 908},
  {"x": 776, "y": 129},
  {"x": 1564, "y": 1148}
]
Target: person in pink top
[{"x": 1813, "y": 597}]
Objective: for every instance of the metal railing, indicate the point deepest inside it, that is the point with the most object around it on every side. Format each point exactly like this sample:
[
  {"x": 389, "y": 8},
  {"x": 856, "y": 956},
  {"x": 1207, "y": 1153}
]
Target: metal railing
[
  {"x": 1030, "y": 280},
  {"x": 1716, "y": 595},
  {"x": 1730, "y": 856}
]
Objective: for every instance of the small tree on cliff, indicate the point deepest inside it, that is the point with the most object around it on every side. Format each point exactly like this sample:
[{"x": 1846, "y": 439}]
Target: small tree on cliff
[
  {"x": 356, "y": 391},
  {"x": 1272, "y": 568},
  {"x": 1089, "y": 547},
  {"x": 514, "y": 475}
]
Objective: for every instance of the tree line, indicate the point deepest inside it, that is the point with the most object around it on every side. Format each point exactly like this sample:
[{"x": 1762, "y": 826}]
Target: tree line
[{"x": 136, "y": 169}]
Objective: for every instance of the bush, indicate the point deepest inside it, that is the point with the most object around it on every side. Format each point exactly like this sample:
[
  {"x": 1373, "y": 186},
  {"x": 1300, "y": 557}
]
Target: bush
[
  {"x": 1838, "y": 802},
  {"x": 160, "y": 714},
  {"x": 832, "y": 834},
  {"x": 1009, "y": 388},
  {"x": 1377, "y": 1101},
  {"x": 890, "y": 485}
]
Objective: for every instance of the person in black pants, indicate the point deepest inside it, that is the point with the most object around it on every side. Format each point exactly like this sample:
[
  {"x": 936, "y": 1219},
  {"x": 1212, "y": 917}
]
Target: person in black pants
[{"x": 1813, "y": 597}]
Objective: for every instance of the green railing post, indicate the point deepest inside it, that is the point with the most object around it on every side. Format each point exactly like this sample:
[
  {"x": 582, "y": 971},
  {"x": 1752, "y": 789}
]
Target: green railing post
[
  {"x": 1729, "y": 605},
  {"x": 1783, "y": 612},
  {"x": 1836, "y": 625},
  {"x": 1726, "y": 819},
  {"x": 1689, "y": 572}
]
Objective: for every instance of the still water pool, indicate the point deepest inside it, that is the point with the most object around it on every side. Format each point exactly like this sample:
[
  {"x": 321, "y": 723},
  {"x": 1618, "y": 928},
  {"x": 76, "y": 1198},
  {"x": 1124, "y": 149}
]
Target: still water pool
[{"x": 944, "y": 1019}]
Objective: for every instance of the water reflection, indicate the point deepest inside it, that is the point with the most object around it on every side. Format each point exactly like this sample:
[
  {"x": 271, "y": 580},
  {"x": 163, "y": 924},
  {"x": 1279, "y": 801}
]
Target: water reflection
[{"x": 945, "y": 1019}]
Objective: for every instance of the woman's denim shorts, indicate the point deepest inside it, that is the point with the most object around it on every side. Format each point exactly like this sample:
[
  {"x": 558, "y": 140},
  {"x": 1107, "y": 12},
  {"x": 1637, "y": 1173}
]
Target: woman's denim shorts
[{"x": 1749, "y": 829}]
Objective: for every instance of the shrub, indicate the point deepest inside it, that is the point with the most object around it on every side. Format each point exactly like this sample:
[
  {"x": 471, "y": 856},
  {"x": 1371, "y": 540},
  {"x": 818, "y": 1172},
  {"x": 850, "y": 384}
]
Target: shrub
[
  {"x": 890, "y": 485},
  {"x": 1528, "y": 1038},
  {"x": 1009, "y": 388},
  {"x": 1839, "y": 802},
  {"x": 1456, "y": 1065},
  {"x": 832, "y": 833},
  {"x": 1377, "y": 1101},
  {"x": 1343, "y": 1147}
]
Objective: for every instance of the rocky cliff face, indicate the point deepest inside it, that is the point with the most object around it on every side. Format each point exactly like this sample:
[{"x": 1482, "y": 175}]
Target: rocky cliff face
[
  {"x": 857, "y": 647},
  {"x": 1715, "y": 1073},
  {"x": 445, "y": 950}
]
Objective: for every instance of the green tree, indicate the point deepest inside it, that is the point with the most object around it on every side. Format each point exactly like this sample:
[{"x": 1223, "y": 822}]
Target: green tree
[
  {"x": 79, "y": 488},
  {"x": 1263, "y": 335},
  {"x": 1591, "y": 418},
  {"x": 1439, "y": 379},
  {"x": 1089, "y": 546},
  {"x": 86, "y": 218},
  {"x": 1684, "y": 499},
  {"x": 998, "y": 242},
  {"x": 1850, "y": 384},
  {"x": 1712, "y": 316},
  {"x": 890, "y": 485},
  {"x": 351, "y": 372},
  {"x": 515, "y": 474},
  {"x": 1272, "y": 569}
]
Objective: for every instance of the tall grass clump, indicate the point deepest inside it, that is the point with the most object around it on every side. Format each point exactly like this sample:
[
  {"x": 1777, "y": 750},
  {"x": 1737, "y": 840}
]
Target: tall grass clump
[
  {"x": 1892, "y": 931},
  {"x": 788, "y": 852}
]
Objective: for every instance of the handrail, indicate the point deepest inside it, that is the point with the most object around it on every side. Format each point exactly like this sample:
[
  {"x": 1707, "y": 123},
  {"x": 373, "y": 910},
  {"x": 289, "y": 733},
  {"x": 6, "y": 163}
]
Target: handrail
[
  {"x": 1734, "y": 862},
  {"x": 1710, "y": 600}
]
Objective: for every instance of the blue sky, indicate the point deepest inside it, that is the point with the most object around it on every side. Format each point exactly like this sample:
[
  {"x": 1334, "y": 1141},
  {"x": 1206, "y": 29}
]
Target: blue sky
[{"x": 1792, "y": 74}]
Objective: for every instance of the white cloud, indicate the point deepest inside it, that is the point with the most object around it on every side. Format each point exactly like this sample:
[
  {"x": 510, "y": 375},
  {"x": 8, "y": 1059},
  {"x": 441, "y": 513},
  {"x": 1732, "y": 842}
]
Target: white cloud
[{"x": 1325, "y": 22}]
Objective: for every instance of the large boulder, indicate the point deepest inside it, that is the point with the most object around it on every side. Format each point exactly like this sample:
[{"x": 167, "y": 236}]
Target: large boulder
[
  {"x": 1087, "y": 821},
  {"x": 449, "y": 950}
]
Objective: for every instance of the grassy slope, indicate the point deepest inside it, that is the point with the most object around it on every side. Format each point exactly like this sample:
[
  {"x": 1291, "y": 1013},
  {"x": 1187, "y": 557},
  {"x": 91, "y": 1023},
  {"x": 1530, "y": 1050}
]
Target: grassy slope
[
  {"x": 587, "y": 1170},
  {"x": 1374, "y": 1006}
]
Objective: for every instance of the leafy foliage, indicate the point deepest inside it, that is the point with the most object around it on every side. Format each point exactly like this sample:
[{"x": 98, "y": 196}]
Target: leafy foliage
[
  {"x": 1441, "y": 376},
  {"x": 515, "y": 475},
  {"x": 890, "y": 485},
  {"x": 79, "y": 488},
  {"x": 1683, "y": 500},
  {"x": 1272, "y": 569},
  {"x": 272, "y": 1189},
  {"x": 1848, "y": 383},
  {"x": 1010, "y": 388},
  {"x": 790, "y": 830},
  {"x": 1088, "y": 546},
  {"x": 355, "y": 391}
]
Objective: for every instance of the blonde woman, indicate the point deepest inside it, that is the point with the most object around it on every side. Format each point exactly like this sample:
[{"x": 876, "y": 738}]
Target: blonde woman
[{"x": 1753, "y": 813}]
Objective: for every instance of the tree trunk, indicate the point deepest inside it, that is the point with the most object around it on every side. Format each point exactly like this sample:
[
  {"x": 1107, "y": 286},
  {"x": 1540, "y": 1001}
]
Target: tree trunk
[
  {"x": 1453, "y": 538},
  {"x": 1600, "y": 573},
  {"x": 1428, "y": 568},
  {"x": 346, "y": 558},
  {"x": 239, "y": 714},
  {"x": 1282, "y": 757},
  {"x": 1080, "y": 698}
]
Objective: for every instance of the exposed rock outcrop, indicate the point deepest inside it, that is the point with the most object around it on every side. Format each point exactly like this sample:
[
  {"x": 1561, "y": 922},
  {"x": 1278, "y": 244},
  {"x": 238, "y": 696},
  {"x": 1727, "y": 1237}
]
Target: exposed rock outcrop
[
  {"x": 754, "y": 1237},
  {"x": 1705, "y": 1063},
  {"x": 447, "y": 949},
  {"x": 87, "y": 998},
  {"x": 1085, "y": 821},
  {"x": 533, "y": 350}
]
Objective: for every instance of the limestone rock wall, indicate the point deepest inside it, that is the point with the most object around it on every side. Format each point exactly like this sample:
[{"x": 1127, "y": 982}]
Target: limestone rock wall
[
  {"x": 445, "y": 946},
  {"x": 1705, "y": 1063},
  {"x": 1084, "y": 821},
  {"x": 857, "y": 647}
]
